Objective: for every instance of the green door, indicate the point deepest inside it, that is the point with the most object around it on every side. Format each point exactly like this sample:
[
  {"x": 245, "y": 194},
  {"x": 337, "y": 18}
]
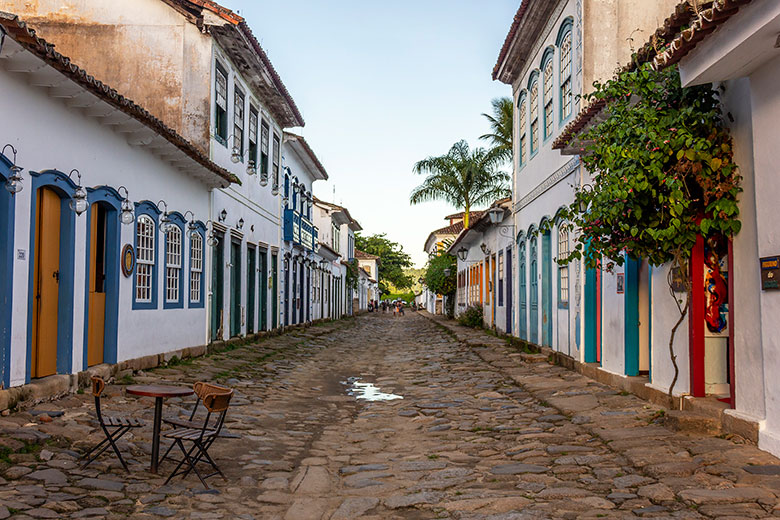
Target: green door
[
  {"x": 217, "y": 288},
  {"x": 251, "y": 288},
  {"x": 546, "y": 290},
  {"x": 522, "y": 297},
  {"x": 263, "y": 290},
  {"x": 534, "y": 293},
  {"x": 235, "y": 289},
  {"x": 274, "y": 291}
]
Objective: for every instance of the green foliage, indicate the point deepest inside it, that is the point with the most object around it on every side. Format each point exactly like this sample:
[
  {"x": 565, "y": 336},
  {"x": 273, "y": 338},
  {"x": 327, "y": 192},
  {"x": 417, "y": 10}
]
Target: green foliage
[
  {"x": 472, "y": 317},
  {"x": 392, "y": 260},
  {"x": 663, "y": 171},
  {"x": 464, "y": 178},
  {"x": 351, "y": 279},
  {"x": 435, "y": 277},
  {"x": 407, "y": 297},
  {"x": 501, "y": 125}
]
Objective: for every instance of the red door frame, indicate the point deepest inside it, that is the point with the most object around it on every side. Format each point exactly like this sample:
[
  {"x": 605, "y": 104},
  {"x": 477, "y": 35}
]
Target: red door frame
[{"x": 696, "y": 321}]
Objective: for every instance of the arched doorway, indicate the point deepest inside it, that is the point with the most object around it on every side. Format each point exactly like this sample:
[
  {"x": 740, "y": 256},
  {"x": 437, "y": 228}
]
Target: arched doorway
[
  {"x": 523, "y": 296},
  {"x": 102, "y": 277},
  {"x": 534, "y": 293},
  {"x": 547, "y": 317},
  {"x": 52, "y": 231}
]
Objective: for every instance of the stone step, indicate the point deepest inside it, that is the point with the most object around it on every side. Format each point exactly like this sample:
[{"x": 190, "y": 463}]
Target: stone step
[
  {"x": 686, "y": 421},
  {"x": 533, "y": 358}
]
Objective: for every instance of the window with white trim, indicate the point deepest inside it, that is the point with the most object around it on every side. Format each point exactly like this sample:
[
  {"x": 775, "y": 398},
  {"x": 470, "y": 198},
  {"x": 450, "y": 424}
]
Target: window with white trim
[
  {"x": 265, "y": 133},
  {"x": 144, "y": 269},
  {"x": 196, "y": 266},
  {"x": 238, "y": 121},
  {"x": 336, "y": 239},
  {"x": 253, "y": 115},
  {"x": 548, "y": 98},
  {"x": 563, "y": 270},
  {"x": 565, "y": 80},
  {"x": 523, "y": 115},
  {"x": 275, "y": 160},
  {"x": 534, "y": 100},
  {"x": 220, "y": 103},
  {"x": 172, "y": 264}
]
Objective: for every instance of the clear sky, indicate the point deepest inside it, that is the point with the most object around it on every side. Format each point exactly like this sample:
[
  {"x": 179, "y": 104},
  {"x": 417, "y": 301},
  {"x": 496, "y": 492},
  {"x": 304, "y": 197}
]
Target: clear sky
[{"x": 382, "y": 85}]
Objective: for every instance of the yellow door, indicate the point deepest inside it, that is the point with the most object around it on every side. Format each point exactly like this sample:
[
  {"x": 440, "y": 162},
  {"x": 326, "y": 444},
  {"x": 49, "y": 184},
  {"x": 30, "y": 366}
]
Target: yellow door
[
  {"x": 46, "y": 286},
  {"x": 97, "y": 284}
]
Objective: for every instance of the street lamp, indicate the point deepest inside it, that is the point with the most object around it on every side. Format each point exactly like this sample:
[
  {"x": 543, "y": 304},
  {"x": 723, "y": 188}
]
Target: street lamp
[
  {"x": 79, "y": 201},
  {"x": 447, "y": 271},
  {"x": 485, "y": 249},
  {"x": 166, "y": 225},
  {"x": 14, "y": 182},
  {"x": 126, "y": 215},
  {"x": 463, "y": 253},
  {"x": 496, "y": 215}
]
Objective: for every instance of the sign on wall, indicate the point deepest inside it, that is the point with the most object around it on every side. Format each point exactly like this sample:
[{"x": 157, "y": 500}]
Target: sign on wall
[{"x": 770, "y": 273}]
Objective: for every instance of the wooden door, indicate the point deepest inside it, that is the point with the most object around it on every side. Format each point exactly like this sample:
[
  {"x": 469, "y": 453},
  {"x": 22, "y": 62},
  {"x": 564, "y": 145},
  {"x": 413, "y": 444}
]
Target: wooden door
[
  {"x": 235, "y": 289},
  {"x": 546, "y": 290},
  {"x": 263, "y": 290},
  {"x": 534, "y": 292},
  {"x": 508, "y": 281},
  {"x": 251, "y": 288},
  {"x": 97, "y": 286},
  {"x": 46, "y": 284}
]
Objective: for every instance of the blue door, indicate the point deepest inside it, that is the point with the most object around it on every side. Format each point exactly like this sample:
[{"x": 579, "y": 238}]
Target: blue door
[
  {"x": 546, "y": 290},
  {"x": 592, "y": 315},
  {"x": 523, "y": 296},
  {"x": 508, "y": 280},
  {"x": 7, "y": 207},
  {"x": 631, "y": 317},
  {"x": 534, "y": 296}
]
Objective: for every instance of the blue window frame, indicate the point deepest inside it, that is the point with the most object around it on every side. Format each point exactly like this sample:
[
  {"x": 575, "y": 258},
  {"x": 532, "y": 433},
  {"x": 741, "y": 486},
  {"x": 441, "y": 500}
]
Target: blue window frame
[
  {"x": 548, "y": 79},
  {"x": 522, "y": 133},
  {"x": 565, "y": 59},
  {"x": 533, "y": 109},
  {"x": 175, "y": 241},
  {"x": 287, "y": 189},
  {"x": 197, "y": 263},
  {"x": 145, "y": 285}
]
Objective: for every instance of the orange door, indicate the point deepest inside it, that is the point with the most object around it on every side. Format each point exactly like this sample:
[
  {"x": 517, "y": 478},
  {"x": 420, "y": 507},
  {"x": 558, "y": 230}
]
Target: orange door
[
  {"x": 46, "y": 286},
  {"x": 97, "y": 285}
]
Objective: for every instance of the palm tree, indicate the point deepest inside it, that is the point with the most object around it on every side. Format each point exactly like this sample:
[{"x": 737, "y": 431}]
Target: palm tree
[
  {"x": 464, "y": 178},
  {"x": 501, "y": 123}
]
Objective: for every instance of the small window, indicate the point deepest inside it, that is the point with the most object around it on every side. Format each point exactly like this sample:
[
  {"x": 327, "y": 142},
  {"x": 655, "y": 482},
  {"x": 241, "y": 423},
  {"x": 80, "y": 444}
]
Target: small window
[
  {"x": 238, "y": 121},
  {"x": 220, "y": 104},
  {"x": 534, "y": 116},
  {"x": 548, "y": 98},
  {"x": 265, "y": 132},
  {"x": 253, "y": 135},
  {"x": 145, "y": 255},
  {"x": 523, "y": 116},
  {"x": 173, "y": 264},
  {"x": 196, "y": 267},
  {"x": 275, "y": 159},
  {"x": 565, "y": 80},
  {"x": 563, "y": 271}
]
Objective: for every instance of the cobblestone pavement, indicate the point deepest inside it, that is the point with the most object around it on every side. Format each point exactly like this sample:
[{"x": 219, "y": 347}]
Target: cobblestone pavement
[{"x": 478, "y": 434}]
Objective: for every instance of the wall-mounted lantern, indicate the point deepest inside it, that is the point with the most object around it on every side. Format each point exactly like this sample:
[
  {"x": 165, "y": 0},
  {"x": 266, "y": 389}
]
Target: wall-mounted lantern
[
  {"x": 126, "y": 214},
  {"x": 240, "y": 223},
  {"x": 78, "y": 203},
  {"x": 166, "y": 226},
  {"x": 463, "y": 253},
  {"x": 14, "y": 183},
  {"x": 222, "y": 215}
]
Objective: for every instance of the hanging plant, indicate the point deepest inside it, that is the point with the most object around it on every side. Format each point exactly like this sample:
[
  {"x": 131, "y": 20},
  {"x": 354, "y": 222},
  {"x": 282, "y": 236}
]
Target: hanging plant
[{"x": 663, "y": 175}]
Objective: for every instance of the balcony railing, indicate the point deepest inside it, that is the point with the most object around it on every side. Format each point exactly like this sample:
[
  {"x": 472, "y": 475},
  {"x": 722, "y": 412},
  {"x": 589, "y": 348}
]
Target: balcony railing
[{"x": 299, "y": 230}]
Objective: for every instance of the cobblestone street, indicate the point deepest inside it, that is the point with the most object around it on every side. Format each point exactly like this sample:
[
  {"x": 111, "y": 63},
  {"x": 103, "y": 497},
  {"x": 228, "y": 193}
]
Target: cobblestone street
[{"x": 478, "y": 434}]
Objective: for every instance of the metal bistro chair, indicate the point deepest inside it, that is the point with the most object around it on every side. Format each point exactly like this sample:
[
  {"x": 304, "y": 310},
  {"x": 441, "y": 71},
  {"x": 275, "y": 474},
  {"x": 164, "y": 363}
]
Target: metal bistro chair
[
  {"x": 113, "y": 427},
  {"x": 216, "y": 401}
]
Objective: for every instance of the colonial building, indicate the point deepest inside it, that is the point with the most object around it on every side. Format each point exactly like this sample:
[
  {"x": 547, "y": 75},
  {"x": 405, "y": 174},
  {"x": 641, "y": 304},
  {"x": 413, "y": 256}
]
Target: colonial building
[
  {"x": 302, "y": 270},
  {"x": 554, "y": 51},
  {"x": 369, "y": 264},
  {"x": 211, "y": 81},
  {"x": 437, "y": 242},
  {"x": 484, "y": 266},
  {"x": 103, "y": 242}
]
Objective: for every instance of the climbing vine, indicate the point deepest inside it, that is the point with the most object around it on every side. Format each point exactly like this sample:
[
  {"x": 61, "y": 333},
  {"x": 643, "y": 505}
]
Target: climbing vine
[{"x": 663, "y": 175}]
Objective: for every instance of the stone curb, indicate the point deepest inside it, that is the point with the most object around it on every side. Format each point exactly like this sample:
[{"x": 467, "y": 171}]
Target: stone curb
[{"x": 691, "y": 411}]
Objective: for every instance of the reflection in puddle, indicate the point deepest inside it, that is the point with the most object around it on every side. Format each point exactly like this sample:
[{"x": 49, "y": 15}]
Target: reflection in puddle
[{"x": 367, "y": 391}]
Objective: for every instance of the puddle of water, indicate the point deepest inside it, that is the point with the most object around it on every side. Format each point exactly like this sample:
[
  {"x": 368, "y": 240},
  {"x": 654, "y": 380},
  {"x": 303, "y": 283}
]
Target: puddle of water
[{"x": 367, "y": 391}]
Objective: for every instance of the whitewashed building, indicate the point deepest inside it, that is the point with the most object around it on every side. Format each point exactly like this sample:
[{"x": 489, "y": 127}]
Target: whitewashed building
[
  {"x": 484, "y": 266},
  {"x": 103, "y": 243},
  {"x": 554, "y": 51},
  {"x": 302, "y": 264},
  {"x": 369, "y": 264}
]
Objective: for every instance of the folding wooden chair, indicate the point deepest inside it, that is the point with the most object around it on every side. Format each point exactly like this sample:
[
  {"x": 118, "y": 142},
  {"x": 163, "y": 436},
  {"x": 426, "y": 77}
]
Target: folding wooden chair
[
  {"x": 113, "y": 427},
  {"x": 216, "y": 400}
]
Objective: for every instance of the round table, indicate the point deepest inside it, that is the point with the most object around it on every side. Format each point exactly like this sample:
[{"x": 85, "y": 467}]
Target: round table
[{"x": 159, "y": 392}]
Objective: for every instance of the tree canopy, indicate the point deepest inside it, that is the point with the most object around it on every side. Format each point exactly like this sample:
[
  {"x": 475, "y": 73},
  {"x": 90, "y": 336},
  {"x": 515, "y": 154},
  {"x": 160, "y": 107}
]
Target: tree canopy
[
  {"x": 462, "y": 177},
  {"x": 501, "y": 128},
  {"x": 392, "y": 260}
]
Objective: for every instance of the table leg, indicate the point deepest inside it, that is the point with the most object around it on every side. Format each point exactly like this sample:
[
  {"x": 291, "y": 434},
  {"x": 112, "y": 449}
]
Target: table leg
[{"x": 156, "y": 432}]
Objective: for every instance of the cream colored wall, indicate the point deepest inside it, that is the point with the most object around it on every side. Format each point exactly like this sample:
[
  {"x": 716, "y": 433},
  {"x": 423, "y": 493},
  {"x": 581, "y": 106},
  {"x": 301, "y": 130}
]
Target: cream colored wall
[
  {"x": 162, "y": 54},
  {"x": 612, "y": 28}
]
